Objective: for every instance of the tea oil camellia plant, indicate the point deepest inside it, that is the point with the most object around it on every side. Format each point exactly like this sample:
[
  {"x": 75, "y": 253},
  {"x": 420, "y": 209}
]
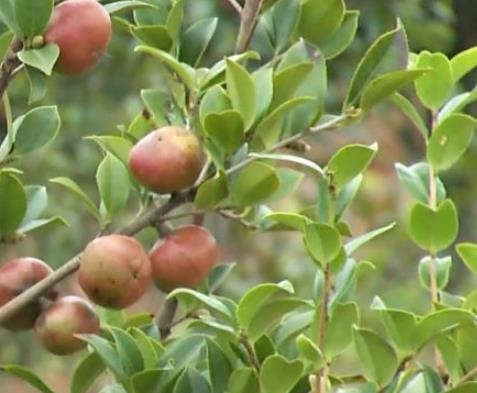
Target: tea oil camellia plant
[{"x": 227, "y": 139}]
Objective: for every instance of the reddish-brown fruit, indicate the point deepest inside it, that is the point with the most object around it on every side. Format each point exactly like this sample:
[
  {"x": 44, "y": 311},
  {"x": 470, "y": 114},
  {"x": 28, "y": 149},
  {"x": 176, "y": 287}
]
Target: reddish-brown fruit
[
  {"x": 167, "y": 160},
  {"x": 184, "y": 258},
  {"x": 56, "y": 327},
  {"x": 82, "y": 30},
  {"x": 115, "y": 271},
  {"x": 16, "y": 276}
]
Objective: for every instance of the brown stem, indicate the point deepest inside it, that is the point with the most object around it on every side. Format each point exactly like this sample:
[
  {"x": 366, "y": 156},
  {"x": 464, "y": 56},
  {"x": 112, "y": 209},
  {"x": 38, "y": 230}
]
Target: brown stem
[
  {"x": 322, "y": 374},
  {"x": 251, "y": 353},
  {"x": 166, "y": 317},
  {"x": 248, "y": 22},
  {"x": 235, "y": 4},
  {"x": 10, "y": 63}
]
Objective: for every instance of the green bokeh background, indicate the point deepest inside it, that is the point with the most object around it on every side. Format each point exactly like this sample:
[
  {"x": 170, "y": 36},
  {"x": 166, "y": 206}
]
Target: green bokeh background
[{"x": 106, "y": 98}]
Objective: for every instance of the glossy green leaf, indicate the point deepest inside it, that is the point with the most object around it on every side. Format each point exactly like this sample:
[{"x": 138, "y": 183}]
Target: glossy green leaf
[
  {"x": 149, "y": 354},
  {"x": 468, "y": 253},
  {"x": 377, "y": 357},
  {"x": 112, "y": 178},
  {"x": 411, "y": 112},
  {"x": 464, "y": 62},
  {"x": 219, "y": 367},
  {"x": 450, "y": 356},
  {"x": 191, "y": 381},
  {"x": 156, "y": 36},
  {"x": 255, "y": 182},
  {"x": 37, "y": 200},
  {"x": 226, "y": 129},
  {"x": 286, "y": 220},
  {"x": 241, "y": 90},
  {"x": 116, "y": 145},
  {"x": 309, "y": 352},
  {"x": 457, "y": 104},
  {"x": 442, "y": 268},
  {"x": 26, "y": 375},
  {"x": 13, "y": 202},
  {"x": 87, "y": 371},
  {"x": 346, "y": 195},
  {"x": 290, "y": 180},
  {"x": 466, "y": 387},
  {"x": 339, "y": 332},
  {"x": 322, "y": 241},
  {"x": 125, "y": 5},
  {"x": 343, "y": 37},
  {"x": 349, "y": 162},
  {"x": 212, "y": 192},
  {"x": 434, "y": 230},
  {"x": 450, "y": 140},
  {"x": 243, "y": 380},
  {"x": 128, "y": 351},
  {"x": 38, "y": 84},
  {"x": 174, "y": 20},
  {"x": 279, "y": 375},
  {"x": 320, "y": 19},
  {"x": 153, "y": 380},
  {"x": 43, "y": 59},
  {"x": 290, "y": 158},
  {"x": 385, "y": 85},
  {"x": 218, "y": 275},
  {"x": 359, "y": 241},
  {"x": 36, "y": 128},
  {"x": 435, "y": 86},
  {"x": 7, "y": 16},
  {"x": 215, "y": 100},
  {"x": 32, "y": 17},
  {"x": 43, "y": 223},
  {"x": 263, "y": 79},
  {"x": 196, "y": 39}
]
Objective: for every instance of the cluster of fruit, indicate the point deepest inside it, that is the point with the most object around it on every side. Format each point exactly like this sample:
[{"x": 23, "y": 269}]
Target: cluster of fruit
[{"x": 115, "y": 270}]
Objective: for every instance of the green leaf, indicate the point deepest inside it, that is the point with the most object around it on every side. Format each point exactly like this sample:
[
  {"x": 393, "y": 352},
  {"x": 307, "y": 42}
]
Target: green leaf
[
  {"x": 191, "y": 381},
  {"x": 349, "y": 162},
  {"x": 359, "y": 241},
  {"x": 279, "y": 375},
  {"x": 36, "y": 128},
  {"x": 43, "y": 59},
  {"x": 42, "y": 223},
  {"x": 450, "y": 140},
  {"x": 290, "y": 158},
  {"x": 241, "y": 90},
  {"x": 219, "y": 367},
  {"x": 442, "y": 268},
  {"x": 212, "y": 192},
  {"x": 7, "y": 16},
  {"x": 434, "y": 230},
  {"x": 385, "y": 85},
  {"x": 254, "y": 183},
  {"x": 218, "y": 275},
  {"x": 182, "y": 351},
  {"x": 466, "y": 387},
  {"x": 175, "y": 19},
  {"x": 385, "y": 49},
  {"x": 125, "y": 6},
  {"x": 320, "y": 19},
  {"x": 154, "y": 380},
  {"x": 450, "y": 356},
  {"x": 116, "y": 145},
  {"x": 290, "y": 180},
  {"x": 128, "y": 351},
  {"x": 411, "y": 112},
  {"x": 346, "y": 195},
  {"x": 32, "y": 17},
  {"x": 286, "y": 220},
  {"x": 322, "y": 241},
  {"x": 76, "y": 189},
  {"x": 13, "y": 202},
  {"x": 339, "y": 334},
  {"x": 435, "y": 86},
  {"x": 464, "y": 62},
  {"x": 155, "y": 35},
  {"x": 196, "y": 39},
  {"x": 343, "y": 37},
  {"x": 244, "y": 380},
  {"x": 184, "y": 71},
  {"x": 415, "y": 179},
  {"x": 377, "y": 357},
  {"x": 281, "y": 21},
  {"x": 28, "y": 376},
  {"x": 468, "y": 253},
  {"x": 215, "y": 100},
  {"x": 5, "y": 40},
  {"x": 37, "y": 198},
  {"x": 37, "y": 81},
  {"x": 150, "y": 355},
  {"x": 87, "y": 371},
  {"x": 309, "y": 352},
  {"x": 112, "y": 178},
  {"x": 226, "y": 129}
]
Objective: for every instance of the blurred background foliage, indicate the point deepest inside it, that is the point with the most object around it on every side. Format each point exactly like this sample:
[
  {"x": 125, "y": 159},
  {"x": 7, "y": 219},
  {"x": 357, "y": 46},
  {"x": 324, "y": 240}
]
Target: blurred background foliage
[{"x": 107, "y": 98}]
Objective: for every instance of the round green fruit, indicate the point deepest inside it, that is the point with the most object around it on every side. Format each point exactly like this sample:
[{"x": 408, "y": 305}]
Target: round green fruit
[
  {"x": 167, "y": 160},
  {"x": 16, "y": 276},
  {"x": 58, "y": 324},
  {"x": 184, "y": 258},
  {"x": 82, "y": 30},
  {"x": 115, "y": 271}
]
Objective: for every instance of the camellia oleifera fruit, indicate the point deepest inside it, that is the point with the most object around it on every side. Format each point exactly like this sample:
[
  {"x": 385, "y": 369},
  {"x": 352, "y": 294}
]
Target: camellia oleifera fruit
[
  {"x": 82, "y": 30},
  {"x": 115, "y": 271},
  {"x": 184, "y": 258},
  {"x": 16, "y": 276},
  {"x": 167, "y": 160},
  {"x": 57, "y": 325}
]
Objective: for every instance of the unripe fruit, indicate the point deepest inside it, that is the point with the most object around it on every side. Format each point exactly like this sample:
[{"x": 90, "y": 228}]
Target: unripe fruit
[
  {"x": 115, "y": 271},
  {"x": 184, "y": 258},
  {"x": 167, "y": 160},
  {"x": 56, "y": 327},
  {"x": 82, "y": 30},
  {"x": 16, "y": 276}
]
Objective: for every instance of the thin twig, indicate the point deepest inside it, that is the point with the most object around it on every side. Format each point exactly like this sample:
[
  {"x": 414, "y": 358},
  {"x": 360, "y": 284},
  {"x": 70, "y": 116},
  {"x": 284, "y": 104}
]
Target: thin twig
[
  {"x": 251, "y": 353},
  {"x": 322, "y": 374},
  {"x": 166, "y": 317},
  {"x": 10, "y": 63},
  {"x": 236, "y": 6},
  {"x": 248, "y": 22}
]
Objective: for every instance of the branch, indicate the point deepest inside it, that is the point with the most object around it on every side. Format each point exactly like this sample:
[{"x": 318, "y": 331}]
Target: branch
[
  {"x": 166, "y": 317},
  {"x": 236, "y": 6},
  {"x": 248, "y": 22},
  {"x": 10, "y": 63},
  {"x": 147, "y": 219}
]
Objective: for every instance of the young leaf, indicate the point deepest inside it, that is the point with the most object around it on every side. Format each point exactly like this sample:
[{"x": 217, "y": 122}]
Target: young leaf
[
  {"x": 112, "y": 178},
  {"x": 442, "y": 267},
  {"x": 13, "y": 202},
  {"x": 43, "y": 59},
  {"x": 343, "y": 37},
  {"x": 450, "y": 140},
  {"x": 279, "y": 375},
  {"x": 464, "y": 62},
  {"x": 242, "y": 91},
  {"x": 434, "y": 230}
]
